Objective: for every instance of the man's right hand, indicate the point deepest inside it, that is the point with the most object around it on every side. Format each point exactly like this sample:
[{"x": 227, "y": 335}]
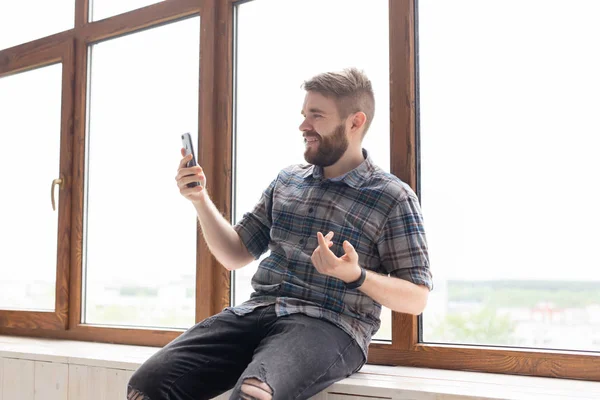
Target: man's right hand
[
  {"x": 223, "y": 241},
  {"x": 187, "y": 175}
]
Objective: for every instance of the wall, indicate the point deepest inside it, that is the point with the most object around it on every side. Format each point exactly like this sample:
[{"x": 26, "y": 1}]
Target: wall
[{"x": 22, "y": 379}]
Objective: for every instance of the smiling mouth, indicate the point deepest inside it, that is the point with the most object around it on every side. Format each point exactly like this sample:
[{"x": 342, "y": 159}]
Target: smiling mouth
[{"x": 309, "y": 140}]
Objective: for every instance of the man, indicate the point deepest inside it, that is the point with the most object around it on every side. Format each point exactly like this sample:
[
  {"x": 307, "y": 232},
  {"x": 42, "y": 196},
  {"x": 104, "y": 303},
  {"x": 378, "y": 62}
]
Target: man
[{"x": 345, "y": 238}]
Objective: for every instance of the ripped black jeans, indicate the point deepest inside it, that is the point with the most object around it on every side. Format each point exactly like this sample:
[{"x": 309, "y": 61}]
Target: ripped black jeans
[{"x": 296, "y": 356}]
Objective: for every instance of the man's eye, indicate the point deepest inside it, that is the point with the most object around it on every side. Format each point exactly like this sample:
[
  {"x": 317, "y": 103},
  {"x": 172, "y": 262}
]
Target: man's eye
[{"x": 317, "y": 116}]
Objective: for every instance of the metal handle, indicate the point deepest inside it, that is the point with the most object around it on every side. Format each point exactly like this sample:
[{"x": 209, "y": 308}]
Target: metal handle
[{"x": 61, "y": 183}]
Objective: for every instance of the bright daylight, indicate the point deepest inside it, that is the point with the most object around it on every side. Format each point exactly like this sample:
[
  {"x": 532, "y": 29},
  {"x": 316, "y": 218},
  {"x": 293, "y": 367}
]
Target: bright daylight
[{"x": 491, "y": 107}]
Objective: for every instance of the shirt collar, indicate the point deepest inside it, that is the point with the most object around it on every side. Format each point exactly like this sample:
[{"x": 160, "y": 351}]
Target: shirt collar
[{"x": 354, "y": 178}]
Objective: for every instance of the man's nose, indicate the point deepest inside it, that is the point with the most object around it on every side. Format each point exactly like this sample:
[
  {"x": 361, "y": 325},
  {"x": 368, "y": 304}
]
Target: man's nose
[{"x": 305, "y": 126}]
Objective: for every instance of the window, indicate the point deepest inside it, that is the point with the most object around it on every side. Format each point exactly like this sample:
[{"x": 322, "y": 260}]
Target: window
[
  {"x": 509, "y": 136},
  {"x": 123, "y": 108},
  {"x": 18, "y": 24},
  {"x": 101, "y": 9},
  {"x": 140, "y": 234},
  {"x": 29, "y": 277},
  {"x": 308, "y": 52},
  {"x": 34, "y": 232},
  {"x": 459, "y": 107}
]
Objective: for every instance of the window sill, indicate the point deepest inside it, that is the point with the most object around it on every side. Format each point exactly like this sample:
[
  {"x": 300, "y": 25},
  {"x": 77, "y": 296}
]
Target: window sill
[{"x": 372, "y": 382}]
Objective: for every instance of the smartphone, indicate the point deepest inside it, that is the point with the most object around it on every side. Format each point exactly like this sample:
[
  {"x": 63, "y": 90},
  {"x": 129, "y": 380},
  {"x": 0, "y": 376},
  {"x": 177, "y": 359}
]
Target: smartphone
[{"x": 186, "y": 141}]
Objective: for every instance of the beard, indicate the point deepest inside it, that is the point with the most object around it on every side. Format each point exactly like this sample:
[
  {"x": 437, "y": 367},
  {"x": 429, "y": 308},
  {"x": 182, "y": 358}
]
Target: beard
[{"x": 329, "y": 149}]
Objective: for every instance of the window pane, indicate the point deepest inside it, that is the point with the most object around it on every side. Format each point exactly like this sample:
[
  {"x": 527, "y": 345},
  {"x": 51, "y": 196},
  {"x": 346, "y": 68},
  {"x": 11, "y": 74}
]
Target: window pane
[
  {"x": 307, "y": 52},
  {"x": 100, "y": 9},
  {"x": 509, "y": 139},
  {"x": 19, "y": 24},
  {"x": 30, "y": 157},
  {"x": 140, "y": 232}
]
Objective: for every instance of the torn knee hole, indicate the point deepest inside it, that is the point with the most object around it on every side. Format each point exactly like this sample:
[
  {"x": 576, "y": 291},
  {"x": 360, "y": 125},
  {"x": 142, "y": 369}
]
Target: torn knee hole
[
  {"x": 256, "y": 389},
  {"x": 136, "y": 395}
]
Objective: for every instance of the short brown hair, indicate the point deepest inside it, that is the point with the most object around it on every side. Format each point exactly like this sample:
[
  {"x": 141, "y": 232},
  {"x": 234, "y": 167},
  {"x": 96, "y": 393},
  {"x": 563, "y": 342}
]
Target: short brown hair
[{"x": 351, "y": 90}]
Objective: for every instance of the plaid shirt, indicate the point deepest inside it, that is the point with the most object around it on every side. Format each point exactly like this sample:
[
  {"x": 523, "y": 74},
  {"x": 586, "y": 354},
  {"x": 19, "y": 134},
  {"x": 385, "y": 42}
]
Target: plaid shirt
[{"x": 375, "y": 211}]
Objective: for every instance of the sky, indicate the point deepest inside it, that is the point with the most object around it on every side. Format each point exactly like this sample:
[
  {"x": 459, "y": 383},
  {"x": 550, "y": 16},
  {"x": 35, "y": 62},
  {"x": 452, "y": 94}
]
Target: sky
[{"x": 509, "y": 133}]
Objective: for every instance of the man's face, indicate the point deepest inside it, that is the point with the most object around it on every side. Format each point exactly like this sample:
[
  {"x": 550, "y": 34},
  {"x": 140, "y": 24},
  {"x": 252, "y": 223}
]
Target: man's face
[{"x": 324, "y": 134}]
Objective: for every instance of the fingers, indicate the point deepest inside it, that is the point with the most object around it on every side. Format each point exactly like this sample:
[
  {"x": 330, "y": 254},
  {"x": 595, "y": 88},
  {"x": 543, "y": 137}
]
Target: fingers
[
  {"x": 185, "y": 180},
  {"x": 351, "y": 254},
  {"x": 185, "y": 159},
  {"x": 192, "y": 192},
  {"x": 325, "y": 241},
  {"x": 183, "y": 184},
  {"x": 183, "y": 172},
  {"x": 327, "y": 263},
  {"x": 316, "y": 257},
  {"x": 323, "y": 258},
  {"x": 321, "y": 239},
  {"x": 192, "y": 171},
  {"x": 328, "y": 238},
  {"x": 325, "y": 244},
  {"x": 188, "y": 175}
]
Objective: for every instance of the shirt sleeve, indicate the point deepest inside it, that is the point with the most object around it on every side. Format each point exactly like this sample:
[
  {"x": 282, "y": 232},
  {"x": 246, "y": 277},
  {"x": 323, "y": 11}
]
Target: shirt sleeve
[
  {"x": 255, "y": 227},
  {"x": 402, "y": 244}
]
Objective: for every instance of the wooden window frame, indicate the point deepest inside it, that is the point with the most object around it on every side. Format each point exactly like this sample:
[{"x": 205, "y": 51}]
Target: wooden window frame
[
  {"x": 60, "y": 50},
  {"x": 406, "y": 348},
  {"x": 71, "y": 47},
  {"x": 216, "y": 105}
]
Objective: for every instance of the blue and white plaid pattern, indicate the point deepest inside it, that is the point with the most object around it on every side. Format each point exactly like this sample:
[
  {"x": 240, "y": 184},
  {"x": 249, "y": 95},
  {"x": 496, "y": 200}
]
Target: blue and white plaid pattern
[{"x": 375, "y": 211}]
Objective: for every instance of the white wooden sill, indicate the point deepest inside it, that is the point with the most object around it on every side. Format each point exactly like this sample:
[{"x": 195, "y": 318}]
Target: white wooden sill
[{"x": 372, "y": 382}]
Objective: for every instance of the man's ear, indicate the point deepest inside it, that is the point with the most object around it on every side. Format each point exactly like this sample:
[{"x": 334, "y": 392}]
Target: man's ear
[{"x": 358, "y": 121}]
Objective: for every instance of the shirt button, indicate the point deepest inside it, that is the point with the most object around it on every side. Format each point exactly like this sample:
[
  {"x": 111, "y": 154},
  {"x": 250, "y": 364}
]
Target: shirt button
[
  {"x": 301, "y": 241},
  {"x": 310, "y": 210}
]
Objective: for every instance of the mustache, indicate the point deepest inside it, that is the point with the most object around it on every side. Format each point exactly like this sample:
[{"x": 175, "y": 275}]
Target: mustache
[{"x": 311, "y": 134}]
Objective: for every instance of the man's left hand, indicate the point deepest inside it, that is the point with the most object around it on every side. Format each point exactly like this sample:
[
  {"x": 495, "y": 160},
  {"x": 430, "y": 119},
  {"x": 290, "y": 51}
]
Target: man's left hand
[{"x": 326, "y": 262}]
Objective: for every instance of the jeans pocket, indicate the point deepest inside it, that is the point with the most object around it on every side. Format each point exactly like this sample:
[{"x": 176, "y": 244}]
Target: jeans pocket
[{"x": 208, "y": 321}]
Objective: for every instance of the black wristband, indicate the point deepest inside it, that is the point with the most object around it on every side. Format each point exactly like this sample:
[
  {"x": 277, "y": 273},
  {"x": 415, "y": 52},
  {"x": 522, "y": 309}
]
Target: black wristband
[{"x": 358, "y": 283}]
